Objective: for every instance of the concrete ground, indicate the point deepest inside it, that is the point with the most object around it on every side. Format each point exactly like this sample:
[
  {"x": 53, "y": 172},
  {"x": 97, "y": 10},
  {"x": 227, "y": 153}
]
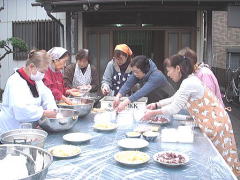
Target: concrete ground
[{"x": 235, "y": 118}]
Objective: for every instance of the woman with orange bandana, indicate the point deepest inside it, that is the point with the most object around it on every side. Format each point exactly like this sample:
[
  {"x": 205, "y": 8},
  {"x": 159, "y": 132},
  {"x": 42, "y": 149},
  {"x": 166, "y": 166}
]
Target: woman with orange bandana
[{"x": 117, "y": 70}]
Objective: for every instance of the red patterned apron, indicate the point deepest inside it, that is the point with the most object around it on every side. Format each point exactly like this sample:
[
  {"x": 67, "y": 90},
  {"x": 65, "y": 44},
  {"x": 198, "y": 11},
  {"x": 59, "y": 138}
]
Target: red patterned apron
[{"x": 214, "y": 121}]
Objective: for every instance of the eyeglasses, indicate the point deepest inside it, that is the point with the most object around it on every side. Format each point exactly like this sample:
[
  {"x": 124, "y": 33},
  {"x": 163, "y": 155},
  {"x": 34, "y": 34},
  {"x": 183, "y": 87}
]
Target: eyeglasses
[{"x": 117, "y": 59}]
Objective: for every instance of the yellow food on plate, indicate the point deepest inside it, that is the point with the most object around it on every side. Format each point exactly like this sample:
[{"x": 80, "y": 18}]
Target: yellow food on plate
[
  {"x": 145, "y": 128},
  {"x": 98, "y": 110},
  {"x": 72, "y": 104},
  {"x": 105, "y": 126},
  {"x": 76, "y": 93},
  {"x": 132, "y": 157},
  {"x": 65, "y": 104},
  {"x": 65, "y": 151},
  {"x": 133, "y": 134}
]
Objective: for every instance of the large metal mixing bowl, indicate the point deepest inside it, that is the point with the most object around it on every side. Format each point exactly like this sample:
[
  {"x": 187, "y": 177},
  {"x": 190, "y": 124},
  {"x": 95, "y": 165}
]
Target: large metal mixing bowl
[
  {"x": 35, "y": 137},
  {"x": 81, "y": 104},
  {"x": 34, "y": 160},
  {"x": 65, "y": 120}
]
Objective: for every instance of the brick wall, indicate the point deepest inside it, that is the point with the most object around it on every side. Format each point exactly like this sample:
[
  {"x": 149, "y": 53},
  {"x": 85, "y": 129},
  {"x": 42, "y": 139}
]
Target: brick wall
[{"x": 223, "y": 37}]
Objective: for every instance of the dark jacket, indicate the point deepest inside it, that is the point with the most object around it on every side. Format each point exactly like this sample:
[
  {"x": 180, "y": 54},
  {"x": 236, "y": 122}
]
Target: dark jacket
[{"x": 154, "y": 85}]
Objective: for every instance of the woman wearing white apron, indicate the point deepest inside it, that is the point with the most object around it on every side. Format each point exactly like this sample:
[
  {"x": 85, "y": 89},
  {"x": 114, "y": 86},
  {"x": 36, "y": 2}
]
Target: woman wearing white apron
[
  {"x": 81, "y": 73},
  {"x": 25, "y": 97},
  {"x": 203, "y": 106}
]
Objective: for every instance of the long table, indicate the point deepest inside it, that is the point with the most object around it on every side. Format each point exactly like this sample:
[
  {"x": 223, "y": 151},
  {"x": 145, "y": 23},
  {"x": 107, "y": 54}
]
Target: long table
[{"x": 96, "y": 159}]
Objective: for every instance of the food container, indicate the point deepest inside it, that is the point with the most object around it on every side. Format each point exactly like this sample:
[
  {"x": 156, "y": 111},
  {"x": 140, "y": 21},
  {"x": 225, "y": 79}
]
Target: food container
[
  {"x": 66, "y": 120},
  {"x": 107, "y": 102},
  {"x": 24, "y": 162},
  {"x": 80, "y": 104},
  {"x": 35, "y": 137},
  {"x": 150, "y": 136}
]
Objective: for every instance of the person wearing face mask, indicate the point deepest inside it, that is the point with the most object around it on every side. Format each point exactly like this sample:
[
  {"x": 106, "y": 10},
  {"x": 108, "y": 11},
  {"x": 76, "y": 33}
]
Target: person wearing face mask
[
  {"x": 117, "y": 71},
  {"x": 25, "y": 97},
  {"x": 153, "y": 82},
  {"x": 53, "y": 78},
  {"x": 81, "y": 73}
]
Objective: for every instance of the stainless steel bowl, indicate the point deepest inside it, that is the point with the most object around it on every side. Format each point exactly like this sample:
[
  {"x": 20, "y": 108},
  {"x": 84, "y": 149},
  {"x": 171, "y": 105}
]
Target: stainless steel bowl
[
  {"x": 34, "y": 160},
  {"x": 64, "y": 122},
  {"x": 35, "y": 137},
  {"x": 83, "y": 105}
]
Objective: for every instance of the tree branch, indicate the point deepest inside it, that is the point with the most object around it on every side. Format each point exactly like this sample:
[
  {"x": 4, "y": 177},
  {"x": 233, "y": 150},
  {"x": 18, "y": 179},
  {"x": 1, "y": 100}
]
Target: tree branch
[
  {"x": 3, "y": 56},
  {"x": 9, "y": 49}
]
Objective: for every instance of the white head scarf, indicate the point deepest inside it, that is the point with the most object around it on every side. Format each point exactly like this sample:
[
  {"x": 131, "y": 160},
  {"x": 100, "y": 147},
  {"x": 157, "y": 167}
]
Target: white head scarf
[{"x": 56, "y": 52}]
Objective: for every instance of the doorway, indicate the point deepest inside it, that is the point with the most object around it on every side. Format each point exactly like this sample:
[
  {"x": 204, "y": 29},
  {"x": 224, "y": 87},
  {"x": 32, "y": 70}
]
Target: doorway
[{"x": 156, "y": 44}]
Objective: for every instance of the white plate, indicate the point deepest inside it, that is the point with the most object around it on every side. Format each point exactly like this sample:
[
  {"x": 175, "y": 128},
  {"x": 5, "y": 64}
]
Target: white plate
[
  {"x": 155, "y": 158},
  {"x": 130, "y": 157},
  {"x": 64, "y": 151},
  {"x": 77, "y": 137},
  {"x": 109, "y": 126},
  {"x": 133, "y": 143}
]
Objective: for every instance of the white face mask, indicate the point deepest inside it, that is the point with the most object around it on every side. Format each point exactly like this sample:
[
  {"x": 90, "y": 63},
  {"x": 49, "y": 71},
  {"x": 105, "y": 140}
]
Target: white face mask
[{"x": 37, "y": 77}]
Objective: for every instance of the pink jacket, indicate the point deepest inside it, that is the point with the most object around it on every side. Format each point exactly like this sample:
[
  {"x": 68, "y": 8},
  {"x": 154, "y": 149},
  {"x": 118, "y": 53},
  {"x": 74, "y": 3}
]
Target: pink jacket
[{"x": 210, "y": 80}]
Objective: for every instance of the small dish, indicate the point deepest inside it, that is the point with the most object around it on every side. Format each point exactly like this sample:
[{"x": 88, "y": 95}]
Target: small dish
[
  {"x": 131, "y": 158},
  {"x": 133, "y": 134},
  {"x": 64, "y": 151},
  {"x": 133, "y": 143},
  {"x": 77, "y": 137},
  {"x": 150, "y": 135},
  {"x": 171, "y": 158}
]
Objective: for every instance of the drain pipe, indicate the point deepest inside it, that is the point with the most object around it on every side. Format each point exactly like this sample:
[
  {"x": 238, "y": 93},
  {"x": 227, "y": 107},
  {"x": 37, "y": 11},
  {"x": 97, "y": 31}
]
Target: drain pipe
[
  {"x": 48, "y": 9},
  {"x": 2, "y": 7},
  {"x": 61, "y": 25}
]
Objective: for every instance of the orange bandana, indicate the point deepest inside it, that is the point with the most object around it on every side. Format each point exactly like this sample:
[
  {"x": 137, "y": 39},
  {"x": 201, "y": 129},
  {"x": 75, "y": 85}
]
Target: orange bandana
[{"x": 124, "y": 48}]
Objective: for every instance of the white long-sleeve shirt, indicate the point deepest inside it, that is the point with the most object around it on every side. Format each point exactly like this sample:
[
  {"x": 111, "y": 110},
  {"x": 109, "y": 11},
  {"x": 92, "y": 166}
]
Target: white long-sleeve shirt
[
  {"x": 20, "y": 106},
  {"x": 191, "y": 89}
]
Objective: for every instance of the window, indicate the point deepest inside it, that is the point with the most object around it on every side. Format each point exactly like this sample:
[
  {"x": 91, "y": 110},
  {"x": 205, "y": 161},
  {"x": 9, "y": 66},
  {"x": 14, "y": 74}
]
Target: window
[
  {"x": 233, "y": 61},
  {"x": 176, "y": 40},
  {"x": 233, "y": 16},
  {"x": 37, "y": 34}
]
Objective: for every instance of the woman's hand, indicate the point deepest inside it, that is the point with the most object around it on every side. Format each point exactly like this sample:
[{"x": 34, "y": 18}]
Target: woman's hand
[
  {"x": 116, "y": 102},
  {"x": 152, "y": 106},
  {"x": 105, "y": 90},
  {"x": 122, "y": 105},
  {"x": 148, "y": 114},
  {"x": 72, "y": 91},
  {"x": 66, "y": 100},
  {"x": 49, "y": 113}
]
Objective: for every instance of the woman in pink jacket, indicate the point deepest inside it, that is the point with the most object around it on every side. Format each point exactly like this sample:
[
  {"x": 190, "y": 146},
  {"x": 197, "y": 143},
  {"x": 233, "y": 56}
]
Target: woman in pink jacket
[{"x": 203, "y": 72}]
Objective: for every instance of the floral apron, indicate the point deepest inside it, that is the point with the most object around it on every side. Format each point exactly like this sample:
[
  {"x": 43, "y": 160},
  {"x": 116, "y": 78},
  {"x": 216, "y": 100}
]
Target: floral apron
[{"x": 214, "y": 121}]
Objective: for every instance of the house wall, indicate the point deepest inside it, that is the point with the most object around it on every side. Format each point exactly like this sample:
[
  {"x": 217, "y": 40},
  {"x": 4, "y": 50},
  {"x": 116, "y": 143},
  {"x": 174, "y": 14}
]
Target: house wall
[
  {"x": 223, "y": 38},
  {"x": 17, "y": 10}
]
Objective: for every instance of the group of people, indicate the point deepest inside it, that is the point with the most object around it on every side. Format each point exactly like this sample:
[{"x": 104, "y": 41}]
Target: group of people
[{"x": 32, "y": 91}]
